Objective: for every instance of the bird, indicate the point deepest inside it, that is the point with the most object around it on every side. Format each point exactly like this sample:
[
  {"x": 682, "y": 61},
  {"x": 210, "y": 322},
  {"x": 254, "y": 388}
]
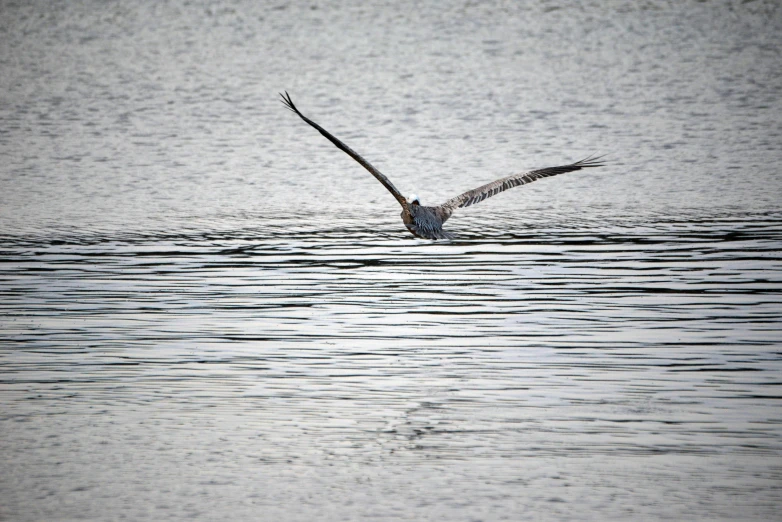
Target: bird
[{"x": 427, "y": 222}]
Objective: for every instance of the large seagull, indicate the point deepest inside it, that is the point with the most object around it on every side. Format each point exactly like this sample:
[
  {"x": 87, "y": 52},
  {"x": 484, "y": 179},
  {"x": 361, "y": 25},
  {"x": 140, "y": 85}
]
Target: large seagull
[{"x": 427, "y": 222}]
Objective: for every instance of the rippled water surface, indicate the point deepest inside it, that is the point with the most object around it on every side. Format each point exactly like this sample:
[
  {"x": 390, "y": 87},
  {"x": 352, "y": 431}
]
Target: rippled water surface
[{"x": 209, "y": 312}]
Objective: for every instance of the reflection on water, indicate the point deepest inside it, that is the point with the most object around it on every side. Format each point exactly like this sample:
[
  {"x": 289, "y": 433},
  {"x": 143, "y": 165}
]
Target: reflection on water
[{"x": 357, "y": 362}]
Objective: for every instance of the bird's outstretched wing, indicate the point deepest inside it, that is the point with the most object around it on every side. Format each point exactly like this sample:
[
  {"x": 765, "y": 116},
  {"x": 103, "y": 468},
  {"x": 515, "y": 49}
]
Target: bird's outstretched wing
[
  {"x": 495, "y": 187},
  {"x": 286, "y": 100}
]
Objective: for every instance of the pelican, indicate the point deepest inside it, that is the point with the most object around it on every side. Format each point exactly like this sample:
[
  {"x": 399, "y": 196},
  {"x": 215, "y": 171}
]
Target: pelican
[{"x": 427, "y": 222}]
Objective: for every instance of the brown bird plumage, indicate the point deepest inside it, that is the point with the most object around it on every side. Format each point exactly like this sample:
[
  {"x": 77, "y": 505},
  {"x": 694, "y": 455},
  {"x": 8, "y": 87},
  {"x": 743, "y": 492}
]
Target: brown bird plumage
[{"x": 427, "y": 222}]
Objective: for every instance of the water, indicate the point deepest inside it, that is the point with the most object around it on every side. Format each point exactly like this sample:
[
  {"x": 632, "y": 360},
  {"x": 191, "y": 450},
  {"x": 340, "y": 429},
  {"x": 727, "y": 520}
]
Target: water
[{"x": 209, "y": 312}]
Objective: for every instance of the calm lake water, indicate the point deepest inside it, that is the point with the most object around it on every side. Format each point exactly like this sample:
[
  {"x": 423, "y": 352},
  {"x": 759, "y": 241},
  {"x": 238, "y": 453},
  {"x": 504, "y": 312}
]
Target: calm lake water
[{"x": 207, "y": 311}]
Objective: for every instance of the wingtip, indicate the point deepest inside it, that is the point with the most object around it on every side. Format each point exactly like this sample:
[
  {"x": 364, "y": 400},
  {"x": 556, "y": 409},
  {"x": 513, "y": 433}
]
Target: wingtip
[
  {"x": 288, "y": 102},
  {"x": 592, "y": 161}
]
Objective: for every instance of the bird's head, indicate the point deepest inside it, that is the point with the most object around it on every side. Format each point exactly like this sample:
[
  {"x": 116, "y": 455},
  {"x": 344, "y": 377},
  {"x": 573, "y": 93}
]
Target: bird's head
[{"x": 413, "y": 200}]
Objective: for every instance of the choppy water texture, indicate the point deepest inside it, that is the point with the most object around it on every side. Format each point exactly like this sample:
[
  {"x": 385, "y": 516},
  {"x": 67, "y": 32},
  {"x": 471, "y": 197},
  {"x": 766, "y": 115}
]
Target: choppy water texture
[{"x": 209, "y": 312}]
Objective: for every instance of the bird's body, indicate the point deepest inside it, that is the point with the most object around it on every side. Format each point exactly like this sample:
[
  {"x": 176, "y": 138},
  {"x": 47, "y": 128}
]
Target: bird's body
[{"x": 427, "y": 222}]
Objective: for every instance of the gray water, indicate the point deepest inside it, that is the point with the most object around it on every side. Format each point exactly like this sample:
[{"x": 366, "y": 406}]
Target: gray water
[{"x": 207, "y": 311}]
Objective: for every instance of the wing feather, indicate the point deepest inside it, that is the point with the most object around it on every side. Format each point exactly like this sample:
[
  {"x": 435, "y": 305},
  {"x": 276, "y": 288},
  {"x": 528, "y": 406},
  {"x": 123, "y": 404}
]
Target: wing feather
[
  {"x": 286, "y": 100},
  {"x": 495, "y": 187}
]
